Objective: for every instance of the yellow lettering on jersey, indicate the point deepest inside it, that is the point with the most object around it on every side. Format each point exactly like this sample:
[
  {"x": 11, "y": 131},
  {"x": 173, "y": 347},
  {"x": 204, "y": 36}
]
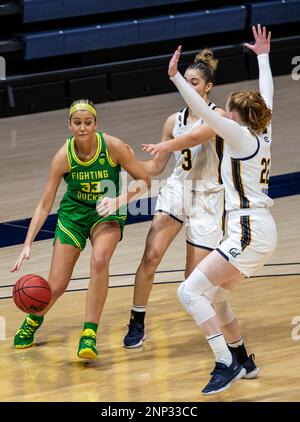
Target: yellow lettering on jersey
[
  {"x": 85, "y": 187},
  {"x": 95, "y": 187},
  {"x": 86, "y": 175},
  {"x": 89, "y": 196}
]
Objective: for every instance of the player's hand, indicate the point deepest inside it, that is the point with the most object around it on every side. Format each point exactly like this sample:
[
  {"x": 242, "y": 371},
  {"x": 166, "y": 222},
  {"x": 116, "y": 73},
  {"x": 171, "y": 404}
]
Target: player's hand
[
  {"x": 155, "y": 148},
  {"x": 262, "y": 40},
  {"x": 173, "y": 65},
  {"x": 25, "y": 254},
  {"x": 107, "y": 206}
]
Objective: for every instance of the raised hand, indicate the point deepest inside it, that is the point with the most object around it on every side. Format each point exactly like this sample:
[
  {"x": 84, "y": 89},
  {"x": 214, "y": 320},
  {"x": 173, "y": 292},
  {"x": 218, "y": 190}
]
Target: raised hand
[
  {"x": 262, "y": 40},
  {"x": 25, "y": 254},
  {"x": 173, "y": 65}
]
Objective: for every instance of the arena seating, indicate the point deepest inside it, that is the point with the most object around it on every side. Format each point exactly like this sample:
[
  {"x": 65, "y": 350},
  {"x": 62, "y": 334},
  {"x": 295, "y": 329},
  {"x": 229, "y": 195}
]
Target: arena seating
[
  {"x": 41, "y": 10},
  {"x": 124, "y": 33},
  {"x": 145, "y": 30},
  {"x": 59, "y": 50}
]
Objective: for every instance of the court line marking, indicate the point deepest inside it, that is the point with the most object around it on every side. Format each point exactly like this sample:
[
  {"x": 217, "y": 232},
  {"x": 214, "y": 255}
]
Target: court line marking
[
  {"x": 174, "y": 271},
  {"x": 159, "y": 283}
]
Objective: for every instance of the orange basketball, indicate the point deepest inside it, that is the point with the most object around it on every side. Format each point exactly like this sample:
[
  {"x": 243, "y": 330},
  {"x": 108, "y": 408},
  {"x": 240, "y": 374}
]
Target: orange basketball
[{"x": 31, "y": 293}]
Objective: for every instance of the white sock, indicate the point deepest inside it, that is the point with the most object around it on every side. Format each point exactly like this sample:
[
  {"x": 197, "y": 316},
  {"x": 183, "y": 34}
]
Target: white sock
[
  {"x": 138, "y": 308},
  {"x": 219, "y": 347}
]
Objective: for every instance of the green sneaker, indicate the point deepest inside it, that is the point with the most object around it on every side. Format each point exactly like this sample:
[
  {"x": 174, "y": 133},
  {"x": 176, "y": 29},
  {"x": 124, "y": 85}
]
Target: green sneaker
[
  {"x": 25, "y": 335},
  {"x": 87, "y": 345}
]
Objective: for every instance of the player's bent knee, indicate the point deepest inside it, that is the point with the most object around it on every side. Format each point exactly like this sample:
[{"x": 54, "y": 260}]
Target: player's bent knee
[
  {"x": 99, "y": 263},
  {"x": 224, "y": 312},
  {"x": 152, "y": 257},
  {"x": 195, "y": 304}
]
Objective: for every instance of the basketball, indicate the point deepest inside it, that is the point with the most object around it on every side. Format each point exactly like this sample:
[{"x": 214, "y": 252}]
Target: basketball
[{"x": 31, "y": 293}]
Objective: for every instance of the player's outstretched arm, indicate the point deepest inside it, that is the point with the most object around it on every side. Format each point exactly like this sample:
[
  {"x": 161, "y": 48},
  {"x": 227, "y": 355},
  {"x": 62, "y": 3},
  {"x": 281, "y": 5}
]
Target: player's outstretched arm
[
  {"x": 199, "y": 135},
  {"x": 229, "y": 130},
  {"x": 262, "y": 48},
  {"x": 59, "y": 166},
  {"x": 157, "y": 165}
]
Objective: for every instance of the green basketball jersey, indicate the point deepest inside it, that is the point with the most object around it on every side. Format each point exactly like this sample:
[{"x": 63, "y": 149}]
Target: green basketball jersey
[{"x": 90, "y": 181}]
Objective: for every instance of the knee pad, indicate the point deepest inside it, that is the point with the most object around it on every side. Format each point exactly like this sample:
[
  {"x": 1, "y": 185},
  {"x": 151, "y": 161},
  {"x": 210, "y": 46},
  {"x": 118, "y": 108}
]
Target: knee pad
[
  {"x": 195, "y": 304},
  {"x": 197, "y": 283},
  {"x": 185, "y": 297}
]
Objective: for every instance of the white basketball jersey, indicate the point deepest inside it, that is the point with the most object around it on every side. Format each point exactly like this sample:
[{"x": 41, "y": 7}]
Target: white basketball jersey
[
  {"x": 246, "y": 180},
  {"x": 200, "y": 163}
]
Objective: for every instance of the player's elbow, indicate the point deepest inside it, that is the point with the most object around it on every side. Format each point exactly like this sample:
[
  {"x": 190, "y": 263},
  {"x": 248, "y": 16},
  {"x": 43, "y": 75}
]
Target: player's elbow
[{"x": 155, "y": 171}]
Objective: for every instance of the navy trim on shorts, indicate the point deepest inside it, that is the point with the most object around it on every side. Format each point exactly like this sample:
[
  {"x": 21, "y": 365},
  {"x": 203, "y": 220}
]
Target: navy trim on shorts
[
  {"x": 222, "y": 253},
  {"x": 200, "y": 246},
  {"x": 170, "y": 215},
  {"x": 246, "y": 231}
]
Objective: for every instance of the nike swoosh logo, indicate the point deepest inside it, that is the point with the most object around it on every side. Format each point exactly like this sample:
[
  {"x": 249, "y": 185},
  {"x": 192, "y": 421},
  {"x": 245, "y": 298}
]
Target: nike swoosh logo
[{"x": 72, "y": 168}]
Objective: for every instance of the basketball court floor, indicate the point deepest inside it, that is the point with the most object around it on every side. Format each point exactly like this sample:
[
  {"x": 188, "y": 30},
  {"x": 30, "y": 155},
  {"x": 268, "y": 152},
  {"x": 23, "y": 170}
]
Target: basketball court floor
[{"x": 175, "y": 361}]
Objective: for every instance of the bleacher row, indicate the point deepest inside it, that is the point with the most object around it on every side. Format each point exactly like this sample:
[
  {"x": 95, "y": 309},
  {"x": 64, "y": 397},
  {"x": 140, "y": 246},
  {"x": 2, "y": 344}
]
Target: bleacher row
[
  {"x": 42, "y": 10},
  {"x": 141, "y": 31},
  {"x": 84, "y": 38}
]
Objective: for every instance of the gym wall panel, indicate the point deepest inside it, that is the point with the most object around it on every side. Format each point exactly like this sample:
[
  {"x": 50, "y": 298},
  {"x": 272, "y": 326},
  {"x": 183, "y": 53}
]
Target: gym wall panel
[
  {"x": 34, "y": 98},
  {"x": 93, "y": 88}
]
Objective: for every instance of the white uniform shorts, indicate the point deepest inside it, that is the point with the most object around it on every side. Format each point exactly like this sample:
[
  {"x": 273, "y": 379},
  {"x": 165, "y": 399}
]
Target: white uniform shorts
[
  {"x": 250, "y": 239},
  {"x": 201, "y": 212}
]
